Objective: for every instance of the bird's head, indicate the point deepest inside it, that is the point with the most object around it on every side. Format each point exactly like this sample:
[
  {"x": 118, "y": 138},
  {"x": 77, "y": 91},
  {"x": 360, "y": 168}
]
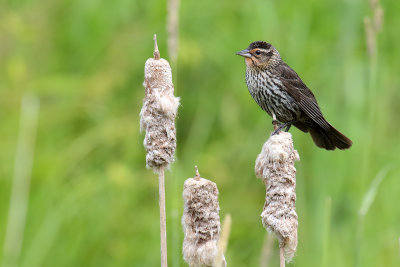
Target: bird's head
[{"x": 260, "y": 55}]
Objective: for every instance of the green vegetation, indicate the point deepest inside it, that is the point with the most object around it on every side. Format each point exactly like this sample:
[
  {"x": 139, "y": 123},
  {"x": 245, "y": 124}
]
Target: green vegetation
[{"x": 93, "y": 203}]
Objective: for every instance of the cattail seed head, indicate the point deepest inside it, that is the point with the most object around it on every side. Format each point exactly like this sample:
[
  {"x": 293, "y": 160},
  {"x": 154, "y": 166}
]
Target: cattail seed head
[
  {"x": 275, "y": 166},
  {"x": 200, "y": 221},
  {"x": 158, "y": 113}
]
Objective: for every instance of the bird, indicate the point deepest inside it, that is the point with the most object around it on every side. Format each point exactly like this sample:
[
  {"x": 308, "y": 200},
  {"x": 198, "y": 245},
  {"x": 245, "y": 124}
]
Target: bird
[{"x": 280, "y": 92}]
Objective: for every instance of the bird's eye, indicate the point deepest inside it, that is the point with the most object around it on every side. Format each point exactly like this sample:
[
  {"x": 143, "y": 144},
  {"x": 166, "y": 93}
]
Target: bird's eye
[{"x": 258, "y": 52}]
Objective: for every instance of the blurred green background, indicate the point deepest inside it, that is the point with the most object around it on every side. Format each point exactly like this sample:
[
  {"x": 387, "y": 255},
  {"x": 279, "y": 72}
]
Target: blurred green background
[{"x": 91, "y": 200}]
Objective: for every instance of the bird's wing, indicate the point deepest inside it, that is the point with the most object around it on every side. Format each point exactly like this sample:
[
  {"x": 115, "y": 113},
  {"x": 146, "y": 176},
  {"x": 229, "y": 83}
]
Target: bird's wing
[{"x": 299, "y": 91}]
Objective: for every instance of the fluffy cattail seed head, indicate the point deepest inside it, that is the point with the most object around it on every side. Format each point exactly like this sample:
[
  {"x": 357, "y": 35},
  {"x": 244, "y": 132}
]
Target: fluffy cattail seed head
[
  {"x": 275, "y": 166},
  {"x": 200, "y": 221},
  {"x": 158, "y": 113}
]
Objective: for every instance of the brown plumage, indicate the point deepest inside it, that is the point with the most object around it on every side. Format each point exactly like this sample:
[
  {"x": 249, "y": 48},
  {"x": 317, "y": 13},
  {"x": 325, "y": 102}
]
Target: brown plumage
[{"x": 280, "y": 92}]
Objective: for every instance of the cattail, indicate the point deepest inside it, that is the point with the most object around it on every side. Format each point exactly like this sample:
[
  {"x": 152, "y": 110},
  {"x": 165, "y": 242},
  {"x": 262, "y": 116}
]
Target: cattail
[
  {"x": 200, "y": 221},
  {"x": 275, "y": 166},
  {"x": 157, "y": 117},
  {"x": 158, "y": 113}
]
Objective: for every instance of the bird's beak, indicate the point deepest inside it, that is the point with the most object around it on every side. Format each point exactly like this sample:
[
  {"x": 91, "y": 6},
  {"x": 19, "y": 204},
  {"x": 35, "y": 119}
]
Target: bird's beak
[{"x": 244, "y": 53}]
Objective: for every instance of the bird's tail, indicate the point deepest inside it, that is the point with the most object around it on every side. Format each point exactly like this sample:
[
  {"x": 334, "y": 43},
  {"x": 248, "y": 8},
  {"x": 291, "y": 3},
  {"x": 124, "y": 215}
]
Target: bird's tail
[{"x": 329, "y": 139}]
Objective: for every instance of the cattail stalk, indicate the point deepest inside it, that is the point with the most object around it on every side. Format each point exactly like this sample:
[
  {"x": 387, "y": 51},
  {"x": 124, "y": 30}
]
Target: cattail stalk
[
  {"x": 200, "y": 221},
  {"x": 163, "y": 218},
  {"x": 21, "y": 180},
  {"x": 373, "y": 24},
  {"x": 275, "y": 166},
  {"x": 157, "y": 117},
  {"x": 173, "y": 29}
]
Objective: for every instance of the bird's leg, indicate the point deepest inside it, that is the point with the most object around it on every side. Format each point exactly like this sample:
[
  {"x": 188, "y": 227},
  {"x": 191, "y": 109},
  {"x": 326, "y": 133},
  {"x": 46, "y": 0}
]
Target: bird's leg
[
  {"x": 275, "y": 122},
  {"x": 283, "y": 125}
]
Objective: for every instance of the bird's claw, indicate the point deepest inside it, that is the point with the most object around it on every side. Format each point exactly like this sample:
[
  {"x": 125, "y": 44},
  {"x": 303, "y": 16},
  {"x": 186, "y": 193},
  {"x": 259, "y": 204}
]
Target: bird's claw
[
  {"x": 279, "y": 126},
  {"x": 277, "y": 130}
]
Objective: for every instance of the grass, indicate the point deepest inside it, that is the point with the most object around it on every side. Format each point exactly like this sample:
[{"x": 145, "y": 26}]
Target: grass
[{"x": 93, "y": 203}]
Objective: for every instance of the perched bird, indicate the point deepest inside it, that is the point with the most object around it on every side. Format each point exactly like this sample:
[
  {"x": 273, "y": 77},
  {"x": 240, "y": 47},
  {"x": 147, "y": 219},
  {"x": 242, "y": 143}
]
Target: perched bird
[{"x": 280, "y": 92}]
